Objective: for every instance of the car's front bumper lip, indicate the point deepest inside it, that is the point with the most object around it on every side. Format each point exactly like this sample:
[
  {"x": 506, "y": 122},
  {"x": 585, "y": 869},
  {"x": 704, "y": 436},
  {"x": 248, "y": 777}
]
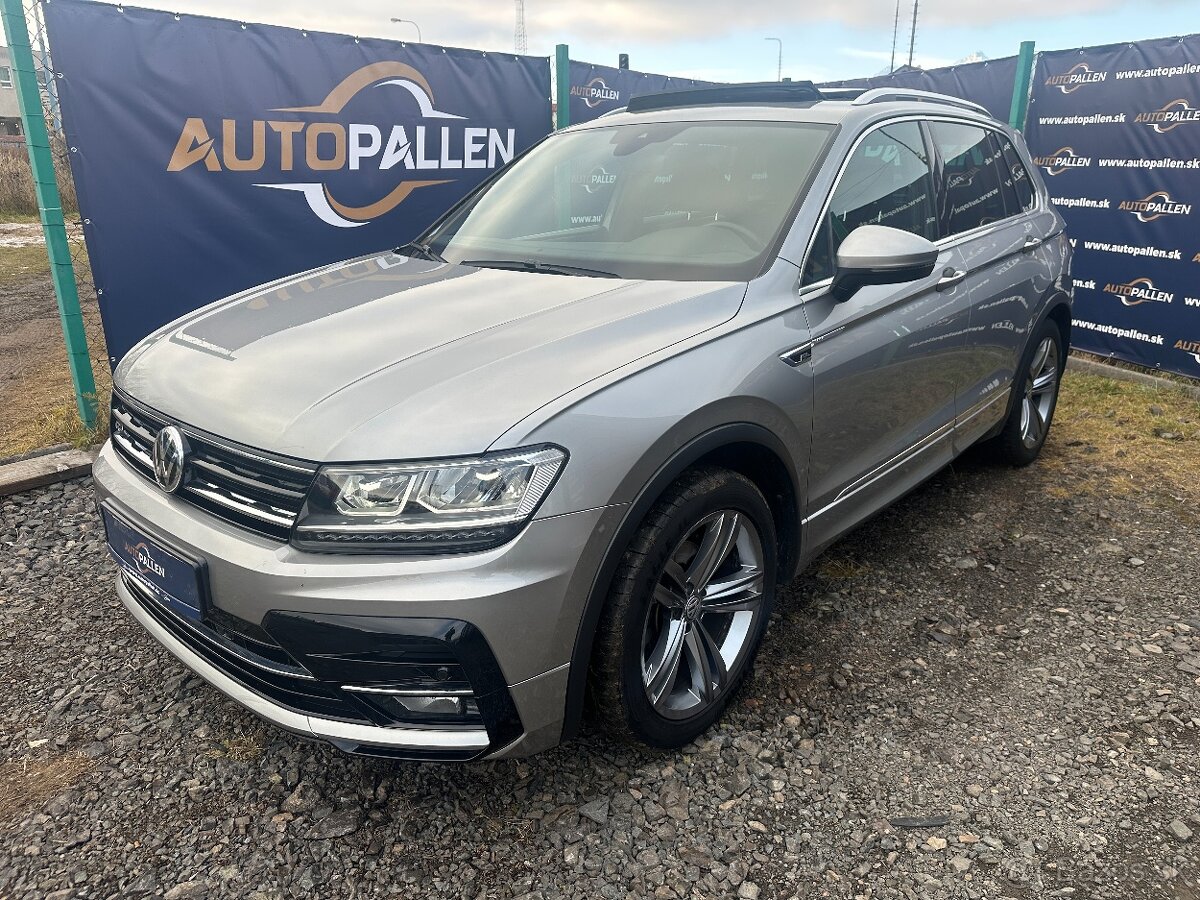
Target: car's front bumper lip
[{"x": 347, "y": 735}]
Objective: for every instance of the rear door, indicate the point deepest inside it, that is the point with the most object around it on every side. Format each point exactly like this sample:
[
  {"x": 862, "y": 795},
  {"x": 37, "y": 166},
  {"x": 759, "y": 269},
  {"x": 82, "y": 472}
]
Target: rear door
[
  {"x": 985, "y": 198},
  {"x": 887, "y": 364}
]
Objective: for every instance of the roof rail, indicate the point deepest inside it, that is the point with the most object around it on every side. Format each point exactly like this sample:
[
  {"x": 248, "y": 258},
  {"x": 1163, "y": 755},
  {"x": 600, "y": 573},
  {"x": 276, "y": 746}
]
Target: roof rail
[
  {"x": 886, "y": 95},
  {"x": 766, "y": 92},
  {"x": 842, "y": 93}
]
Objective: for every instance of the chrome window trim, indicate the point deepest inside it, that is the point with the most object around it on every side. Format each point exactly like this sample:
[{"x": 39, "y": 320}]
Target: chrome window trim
[{"x": 944, "y": 243}]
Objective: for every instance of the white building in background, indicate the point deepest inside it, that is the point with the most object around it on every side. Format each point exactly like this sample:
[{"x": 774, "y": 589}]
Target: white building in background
[{"x": 10, "y": 114}]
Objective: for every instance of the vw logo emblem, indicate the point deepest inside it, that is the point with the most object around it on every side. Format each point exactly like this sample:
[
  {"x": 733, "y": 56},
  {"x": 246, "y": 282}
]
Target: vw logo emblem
[{"x": 170, "y": 453}]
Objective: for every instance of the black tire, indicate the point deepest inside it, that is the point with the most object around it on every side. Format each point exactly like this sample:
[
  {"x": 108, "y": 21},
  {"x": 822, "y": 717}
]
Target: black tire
[
  {"x": 701, "y": 500},
  {"x": 1015, "y": 445}
]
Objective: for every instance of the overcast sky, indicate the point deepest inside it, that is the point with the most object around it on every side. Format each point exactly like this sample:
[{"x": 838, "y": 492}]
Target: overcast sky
[{"x": 725, "y": 39}]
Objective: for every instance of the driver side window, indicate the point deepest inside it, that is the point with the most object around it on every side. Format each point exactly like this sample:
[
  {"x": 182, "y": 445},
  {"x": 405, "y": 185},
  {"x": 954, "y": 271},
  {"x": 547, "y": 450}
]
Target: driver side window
[{"x": 887, "y": 181}]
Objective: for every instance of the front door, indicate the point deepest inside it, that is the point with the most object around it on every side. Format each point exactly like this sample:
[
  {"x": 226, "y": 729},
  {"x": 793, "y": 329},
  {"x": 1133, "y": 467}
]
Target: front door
[{"x": 887, "y": 363}]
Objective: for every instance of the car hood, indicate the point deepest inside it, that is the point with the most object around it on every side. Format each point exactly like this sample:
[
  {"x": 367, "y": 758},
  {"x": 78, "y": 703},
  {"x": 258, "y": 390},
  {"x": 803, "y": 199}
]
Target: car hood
[{"x": 389, "y": 357}]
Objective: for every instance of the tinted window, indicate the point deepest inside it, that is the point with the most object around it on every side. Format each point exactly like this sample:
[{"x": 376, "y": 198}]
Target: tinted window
[
  {"x": 887, "y": 181},
  {"x": 1016, "y": 172},
  {"x": 655, "y": 200},
  {"x": 973, "y": 190}
]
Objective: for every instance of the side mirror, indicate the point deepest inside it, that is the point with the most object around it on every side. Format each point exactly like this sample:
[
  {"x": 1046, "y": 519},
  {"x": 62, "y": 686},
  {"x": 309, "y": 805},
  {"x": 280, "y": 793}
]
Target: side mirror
[{"x": 876, "y": 254}]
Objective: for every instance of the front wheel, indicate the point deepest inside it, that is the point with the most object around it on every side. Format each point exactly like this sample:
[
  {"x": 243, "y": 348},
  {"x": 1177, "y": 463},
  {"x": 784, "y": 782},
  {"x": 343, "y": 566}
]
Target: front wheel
[
  {"x": 687, "y": 610},
  {"x": 1032, "y": 411}
]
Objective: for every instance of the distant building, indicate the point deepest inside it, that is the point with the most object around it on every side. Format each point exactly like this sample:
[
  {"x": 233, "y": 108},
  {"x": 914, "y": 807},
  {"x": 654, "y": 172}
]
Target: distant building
[{"x": 10, "y": 114}]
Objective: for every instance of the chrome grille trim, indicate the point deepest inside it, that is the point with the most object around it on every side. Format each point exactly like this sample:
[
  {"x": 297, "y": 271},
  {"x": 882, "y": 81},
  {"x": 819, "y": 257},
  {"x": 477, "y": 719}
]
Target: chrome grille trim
[
  {"x": 250, "y": 488},
  {"x": 245, "y": 505},
  {"x": 123, "y": 443},
  {"x": 230, "y": 475}
]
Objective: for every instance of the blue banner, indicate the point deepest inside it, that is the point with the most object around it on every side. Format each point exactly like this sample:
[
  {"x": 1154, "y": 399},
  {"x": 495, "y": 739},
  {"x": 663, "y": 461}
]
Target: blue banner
[
  {"x": 1116, "y": 131},
  {"x": 988, "y": 83},
  {"x": 596, "y": 90},
  {"x": 210, "y": 156}
]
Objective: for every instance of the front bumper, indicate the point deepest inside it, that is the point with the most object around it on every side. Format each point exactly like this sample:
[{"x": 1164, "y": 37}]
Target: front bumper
[
  {"x": 409, "y": 742},
  {"x": 523, "y": 600}
]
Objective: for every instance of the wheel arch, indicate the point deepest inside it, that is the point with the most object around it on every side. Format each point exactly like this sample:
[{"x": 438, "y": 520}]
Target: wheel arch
[
  {"x": 743, "y": 447},
  {"x": 1057, "y": 308}
]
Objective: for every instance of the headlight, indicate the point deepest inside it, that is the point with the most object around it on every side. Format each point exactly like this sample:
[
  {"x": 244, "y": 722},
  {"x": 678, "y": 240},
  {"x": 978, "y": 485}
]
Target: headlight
[{"x": 441, "y": 506}]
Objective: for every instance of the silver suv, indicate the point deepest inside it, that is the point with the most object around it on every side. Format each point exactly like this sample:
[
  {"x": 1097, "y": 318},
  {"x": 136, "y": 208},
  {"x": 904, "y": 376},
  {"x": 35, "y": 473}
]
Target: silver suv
[{"x": 558, "y": 454}]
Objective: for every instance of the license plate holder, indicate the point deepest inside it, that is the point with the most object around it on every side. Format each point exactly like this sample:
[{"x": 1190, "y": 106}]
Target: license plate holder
[{"x": 174, "y": 579}]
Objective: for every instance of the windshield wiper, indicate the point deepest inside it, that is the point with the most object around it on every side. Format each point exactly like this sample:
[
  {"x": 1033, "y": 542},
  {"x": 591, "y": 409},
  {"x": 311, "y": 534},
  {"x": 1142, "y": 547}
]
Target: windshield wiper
[
  {"x": 524, "y": 265},
  {"x": 413, "y": 248}
]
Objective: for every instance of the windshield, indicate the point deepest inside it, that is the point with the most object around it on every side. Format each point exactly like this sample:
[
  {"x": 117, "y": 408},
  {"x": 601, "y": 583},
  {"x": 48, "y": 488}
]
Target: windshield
[{"x": 681, "y": 201}]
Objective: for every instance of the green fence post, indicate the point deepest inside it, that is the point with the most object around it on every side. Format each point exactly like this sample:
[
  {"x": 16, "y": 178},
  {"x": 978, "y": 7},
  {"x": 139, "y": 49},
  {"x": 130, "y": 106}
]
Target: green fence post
[
  {"x": 1020, "y": 97},
  {"x": 41, "y": 161},
  {"x": 562, "y": 86}
]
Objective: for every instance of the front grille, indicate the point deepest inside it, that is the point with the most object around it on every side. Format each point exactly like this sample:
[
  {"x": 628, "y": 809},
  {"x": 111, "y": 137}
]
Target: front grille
[{"x": 259, "y": 491}]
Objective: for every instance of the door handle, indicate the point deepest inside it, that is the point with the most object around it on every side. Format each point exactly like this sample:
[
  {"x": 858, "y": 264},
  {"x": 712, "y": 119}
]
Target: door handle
[
  {"x": 950, "y": 278},
  {"x": 1031, "y": 243}
]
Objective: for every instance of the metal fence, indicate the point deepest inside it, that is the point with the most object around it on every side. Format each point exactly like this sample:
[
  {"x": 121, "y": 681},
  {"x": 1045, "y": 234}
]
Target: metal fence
[{"x": 54, "y": 369}]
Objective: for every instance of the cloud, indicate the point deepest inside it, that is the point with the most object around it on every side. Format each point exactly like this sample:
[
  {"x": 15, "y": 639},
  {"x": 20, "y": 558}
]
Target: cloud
[
  {"x": 923, "y": 60},
  {"x": 488, "y": 24}
]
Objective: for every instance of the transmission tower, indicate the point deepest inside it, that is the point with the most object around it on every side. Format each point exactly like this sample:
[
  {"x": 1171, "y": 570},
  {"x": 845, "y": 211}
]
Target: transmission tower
[
  {"x": 520, "y": 38},
  {"x": 895, "y": 35},
  {"x": 912, "y": 38}
]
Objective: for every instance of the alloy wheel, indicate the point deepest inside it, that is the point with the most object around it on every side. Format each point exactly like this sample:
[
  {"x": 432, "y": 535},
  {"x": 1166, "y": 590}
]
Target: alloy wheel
[
  {"x": 703, "y": 616},
  {"x": 1041, "y": 388}
]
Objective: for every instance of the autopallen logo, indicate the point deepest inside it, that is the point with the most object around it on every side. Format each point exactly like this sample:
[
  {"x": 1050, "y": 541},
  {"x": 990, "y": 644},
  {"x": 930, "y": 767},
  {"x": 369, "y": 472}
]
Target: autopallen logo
[
  {"x": 1138, "y": 291},
  {"x": 1155, "y": 206},
  {"x": 1191, "y": 348},
  {"x": 597, "y": 179},
  {"x": 1061, "y": 160},
  {"x": 1169, "y": 116},
  {"x": 146, "y": 564},
  {"x": 317, "y": 141},
  {"x": 595, "y": 92},
  {"x": 1074, "y": 78}
]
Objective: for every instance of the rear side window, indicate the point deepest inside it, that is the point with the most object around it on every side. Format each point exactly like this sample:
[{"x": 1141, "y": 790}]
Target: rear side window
[
  {"x": 1016, "y": 171},
  {"x": 973, "y": 189},
  {"x": 887, "y": 181}
]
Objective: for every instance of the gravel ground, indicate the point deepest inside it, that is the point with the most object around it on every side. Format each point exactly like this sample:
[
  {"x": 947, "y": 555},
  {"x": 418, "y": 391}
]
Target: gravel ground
[{"x": 990, "y": 691}]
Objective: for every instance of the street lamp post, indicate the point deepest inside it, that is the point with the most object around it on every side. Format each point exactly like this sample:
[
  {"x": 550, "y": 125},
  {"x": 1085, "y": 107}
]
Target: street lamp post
[
  {"x": 779, "y": 67},
  {"x": 420, "y": 40}
]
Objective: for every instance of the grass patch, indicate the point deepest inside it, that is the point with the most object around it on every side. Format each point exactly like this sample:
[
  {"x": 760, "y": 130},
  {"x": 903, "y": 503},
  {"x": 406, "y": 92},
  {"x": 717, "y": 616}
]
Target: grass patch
[
  {"x": 840, "y": 568},
  {"x": 37, "y": 399},
  {"x": 26, "y": 783},
  {"x": 19, "y": 265},
  {"x": 1141, "y": 436},
  {"x": 43, "y": 411},
  {"x": 20, "y": 218},
  {"x": 243, "y": 747}
]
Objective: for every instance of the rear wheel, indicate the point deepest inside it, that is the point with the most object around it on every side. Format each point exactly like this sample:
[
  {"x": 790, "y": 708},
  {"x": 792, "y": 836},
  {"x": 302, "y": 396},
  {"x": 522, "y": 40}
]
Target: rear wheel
[
  {"x": 687, "y": 610},
  {"x": 1032, "y": 411}
]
